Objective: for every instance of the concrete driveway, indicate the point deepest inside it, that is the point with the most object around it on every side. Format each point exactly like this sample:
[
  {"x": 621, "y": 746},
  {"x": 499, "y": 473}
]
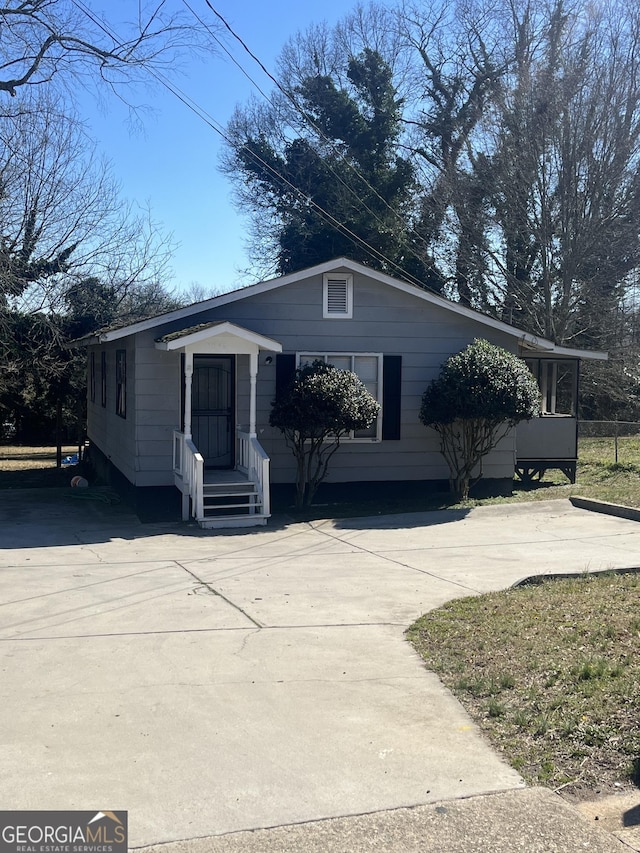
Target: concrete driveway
[{"x": 210, "y": 682}]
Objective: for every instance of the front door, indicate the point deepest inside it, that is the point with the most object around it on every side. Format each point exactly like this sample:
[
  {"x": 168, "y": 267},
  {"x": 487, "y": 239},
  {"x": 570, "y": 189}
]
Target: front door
[{"x": 212, "y": 409}]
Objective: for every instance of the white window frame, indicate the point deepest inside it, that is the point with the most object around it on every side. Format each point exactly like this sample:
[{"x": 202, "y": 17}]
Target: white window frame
[
  {"x": 545, "y": 371},
  {"x": 301, "y": 357},
  {"x": 348, "y": 280}
]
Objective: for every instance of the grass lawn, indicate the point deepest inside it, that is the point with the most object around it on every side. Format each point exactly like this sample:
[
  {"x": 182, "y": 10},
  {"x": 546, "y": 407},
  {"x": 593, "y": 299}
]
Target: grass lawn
[{"x": 551, "y": 673}]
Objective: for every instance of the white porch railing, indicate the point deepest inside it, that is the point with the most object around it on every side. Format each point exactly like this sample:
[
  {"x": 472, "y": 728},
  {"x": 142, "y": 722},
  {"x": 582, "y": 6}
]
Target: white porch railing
[
  {"x": 188, "y": 469},
  {"x": 188, "y": 465},
  {"x": 254, "y": 462}
]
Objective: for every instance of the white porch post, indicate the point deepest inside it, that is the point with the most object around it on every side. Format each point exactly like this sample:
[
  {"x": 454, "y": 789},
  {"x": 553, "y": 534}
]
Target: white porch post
[
  {"x": 188, "y": 379},
  {"x": 253, "y": 374}
]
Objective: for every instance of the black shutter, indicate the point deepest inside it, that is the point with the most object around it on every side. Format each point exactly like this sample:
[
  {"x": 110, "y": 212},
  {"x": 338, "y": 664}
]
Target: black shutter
[
  {"x": 391, "y": 397},
  {"x": 285, "y": 371}
]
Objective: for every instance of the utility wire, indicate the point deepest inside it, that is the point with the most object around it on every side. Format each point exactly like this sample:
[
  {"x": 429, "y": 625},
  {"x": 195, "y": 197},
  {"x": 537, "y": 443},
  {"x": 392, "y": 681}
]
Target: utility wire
[
  {"x": 309, "y": 120},
  {"x": 223, "y": 47},
  {"x": 218, "y": 128}
]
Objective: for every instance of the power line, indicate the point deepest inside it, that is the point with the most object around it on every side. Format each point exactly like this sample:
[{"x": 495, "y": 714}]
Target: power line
[
  {"x": 223, "y": 47},
  {"x": 309, "y": 120},
  {"x": 218, "y": 128}
]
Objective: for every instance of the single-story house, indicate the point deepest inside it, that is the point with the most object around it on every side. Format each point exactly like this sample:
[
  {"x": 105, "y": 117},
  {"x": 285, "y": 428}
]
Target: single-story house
[{"x": 182, "y": 400}]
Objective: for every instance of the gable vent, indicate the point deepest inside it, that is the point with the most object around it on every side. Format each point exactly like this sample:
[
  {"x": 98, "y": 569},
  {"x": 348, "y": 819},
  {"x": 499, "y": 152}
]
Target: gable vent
[{"x": 338, "y": 296}]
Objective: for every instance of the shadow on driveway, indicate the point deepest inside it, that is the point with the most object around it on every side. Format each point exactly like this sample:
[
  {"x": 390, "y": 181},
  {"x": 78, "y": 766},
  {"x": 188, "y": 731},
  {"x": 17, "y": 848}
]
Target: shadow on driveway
[
  {"x": 37, "y": 518},
  {"x": 401, "y": 520}
]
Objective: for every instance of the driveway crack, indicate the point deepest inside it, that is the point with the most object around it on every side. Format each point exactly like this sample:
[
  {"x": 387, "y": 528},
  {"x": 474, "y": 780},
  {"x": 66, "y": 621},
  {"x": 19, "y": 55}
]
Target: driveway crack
[
  {"x": 381, "y": 556},
  {"x": 214, "y": 591}
]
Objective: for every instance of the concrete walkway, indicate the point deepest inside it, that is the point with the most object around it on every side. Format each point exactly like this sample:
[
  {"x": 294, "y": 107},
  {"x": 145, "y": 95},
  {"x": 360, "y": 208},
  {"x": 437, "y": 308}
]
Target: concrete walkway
[{"x": 216, "y": 683}]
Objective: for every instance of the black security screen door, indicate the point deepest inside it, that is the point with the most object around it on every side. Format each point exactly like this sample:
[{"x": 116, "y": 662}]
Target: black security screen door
[{"x": 212, "y": 409}]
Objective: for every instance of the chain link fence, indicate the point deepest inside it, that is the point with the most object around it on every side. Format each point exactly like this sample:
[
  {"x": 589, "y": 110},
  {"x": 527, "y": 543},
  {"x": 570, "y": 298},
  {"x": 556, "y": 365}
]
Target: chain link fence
[{"x": 619, "y": 436}]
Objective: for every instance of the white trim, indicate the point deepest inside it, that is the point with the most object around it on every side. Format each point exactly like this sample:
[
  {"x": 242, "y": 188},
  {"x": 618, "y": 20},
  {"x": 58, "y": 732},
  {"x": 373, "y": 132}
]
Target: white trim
[
  {"x": 330, "y": 280},
  {"x": 224, "y": 328},
  {"x": 557, "y": 351},
  {"x": 352, "y": 439},
  {"x": 339, "y": 265}
]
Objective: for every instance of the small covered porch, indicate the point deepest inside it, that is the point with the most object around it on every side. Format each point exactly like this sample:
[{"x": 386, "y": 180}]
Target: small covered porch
[
  {"x": 550, "y": 441},
  {"x": 219, "y": 466}
]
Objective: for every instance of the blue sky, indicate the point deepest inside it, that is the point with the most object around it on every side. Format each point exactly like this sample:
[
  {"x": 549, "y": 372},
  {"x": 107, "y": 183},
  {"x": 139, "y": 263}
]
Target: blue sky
[{"x": 172, "y": 164}]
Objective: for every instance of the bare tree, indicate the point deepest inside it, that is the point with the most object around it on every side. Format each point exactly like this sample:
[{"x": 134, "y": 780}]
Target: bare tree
[
  {"x": 66, "y": 40},
  {"x": 564, "y": 175},
  {"x": 521, "y": 123},
  {"x": 62, "y": 218},
  {"x": 458, "y": 64}
]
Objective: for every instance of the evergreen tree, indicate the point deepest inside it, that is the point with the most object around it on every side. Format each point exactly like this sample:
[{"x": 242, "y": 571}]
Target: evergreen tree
[{"x": 341, "y": 189}]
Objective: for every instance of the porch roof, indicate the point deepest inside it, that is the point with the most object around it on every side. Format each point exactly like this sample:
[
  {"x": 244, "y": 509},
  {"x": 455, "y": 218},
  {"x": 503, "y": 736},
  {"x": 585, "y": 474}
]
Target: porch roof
[{"x": 221, "y": 329}]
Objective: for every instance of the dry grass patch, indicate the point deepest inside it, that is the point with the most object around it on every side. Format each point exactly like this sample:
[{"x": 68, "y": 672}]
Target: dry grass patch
[
  {"x": 599, "y": 476},
  {"x": 551, "y": 672},
  {"x": 32, "y": 467},
  {"x": 18, "y": 458}
]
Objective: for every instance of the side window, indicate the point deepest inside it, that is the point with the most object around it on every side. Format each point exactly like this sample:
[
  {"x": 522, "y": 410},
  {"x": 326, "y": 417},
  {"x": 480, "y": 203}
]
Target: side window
[
  {"x": 558, "y": 381},
  {"x": 121, "y": 383},
  {"x": 92, "y": 377},
  {"x": 368, "y": 368},
  {"x": 103, "y": 379}
]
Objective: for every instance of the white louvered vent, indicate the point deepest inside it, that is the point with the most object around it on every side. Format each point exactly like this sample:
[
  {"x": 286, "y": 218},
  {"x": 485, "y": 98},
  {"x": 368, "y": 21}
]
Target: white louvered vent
[{"x": 338, "y": 296}]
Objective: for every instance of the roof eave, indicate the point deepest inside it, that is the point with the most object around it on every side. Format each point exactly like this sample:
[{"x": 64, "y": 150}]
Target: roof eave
[
  {"x": 225, "y": 328},
  {"x": 535, "y": 346},
  {"x": 526, "y": 340}
]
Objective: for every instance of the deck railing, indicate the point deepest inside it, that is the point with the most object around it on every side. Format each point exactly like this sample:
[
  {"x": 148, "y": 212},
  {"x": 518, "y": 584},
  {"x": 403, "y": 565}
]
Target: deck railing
[
  {"x": 254, "y": 462},
  {"x": 188, "y": 464}
]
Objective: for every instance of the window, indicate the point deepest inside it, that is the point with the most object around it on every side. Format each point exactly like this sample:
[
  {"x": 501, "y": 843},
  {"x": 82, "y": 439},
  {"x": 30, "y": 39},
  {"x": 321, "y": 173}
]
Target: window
[
  {"x": 368, "y": 368},
  {"x": 337, "y": 295},
  {"x": 92, "y": 377},
  {"x": 121, "y": 383},
  {"x": 103, "y": 379},
  {"x": 558, "y": 381}
]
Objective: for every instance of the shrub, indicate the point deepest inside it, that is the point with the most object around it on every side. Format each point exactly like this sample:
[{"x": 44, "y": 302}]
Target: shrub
[
  {"x": 480, "y": 394},
  {"x": 320, "y": 407}
]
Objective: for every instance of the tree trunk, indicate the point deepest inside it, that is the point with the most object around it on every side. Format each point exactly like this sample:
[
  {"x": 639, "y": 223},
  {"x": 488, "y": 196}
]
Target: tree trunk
[{"x": 58, "y": 433}]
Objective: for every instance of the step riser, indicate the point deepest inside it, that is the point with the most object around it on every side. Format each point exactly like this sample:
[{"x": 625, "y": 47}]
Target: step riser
[
  {"x": 246, "y": 489},
  {"x": 248, "y": 496},
  {"x": 244, "y": 494},
  {"x": 212, "y": 510},
  {"x": 231, "y": 504},
  {"x": 233, "y": 521}
]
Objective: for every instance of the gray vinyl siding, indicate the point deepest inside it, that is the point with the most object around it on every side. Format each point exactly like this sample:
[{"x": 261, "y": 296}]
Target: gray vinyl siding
[
  {"x": 385, "y": 320},
  {"x": 113, "y": 435},
  {"x": 140, "y": 445},
  {"x": 158, "y": 391}
]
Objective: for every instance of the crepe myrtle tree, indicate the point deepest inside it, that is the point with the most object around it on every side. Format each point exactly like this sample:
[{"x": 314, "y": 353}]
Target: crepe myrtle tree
[
  {"x": 321, "y": 405},
  {"x": 480, "y": 394}
]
